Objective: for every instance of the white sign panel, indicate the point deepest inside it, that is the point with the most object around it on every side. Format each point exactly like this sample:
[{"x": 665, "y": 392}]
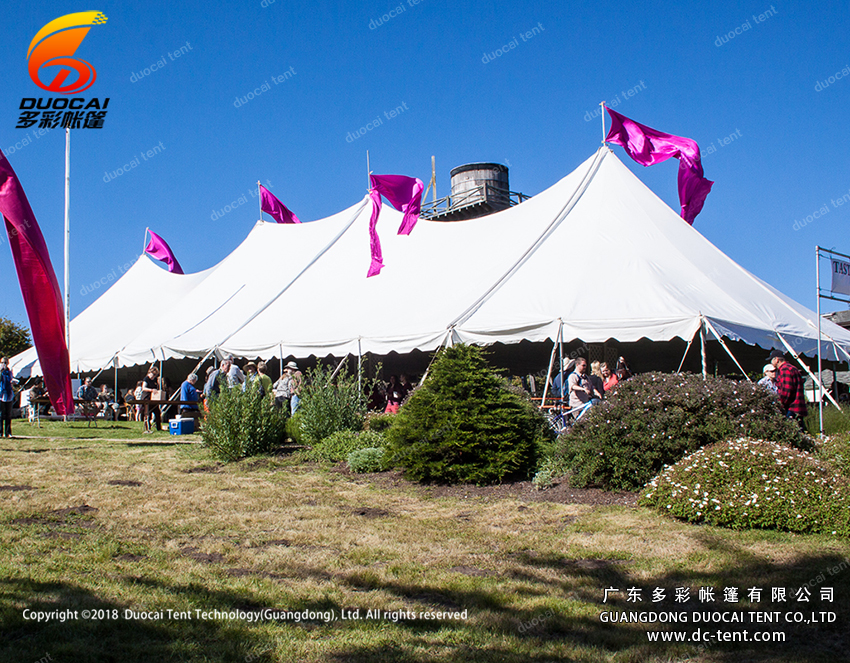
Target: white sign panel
[{"x": 840, "y": 276}]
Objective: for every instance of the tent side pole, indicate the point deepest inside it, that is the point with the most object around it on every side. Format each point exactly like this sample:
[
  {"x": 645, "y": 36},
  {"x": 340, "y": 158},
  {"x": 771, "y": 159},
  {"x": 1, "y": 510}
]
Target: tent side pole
[
  {"x": 728, "y": 351},
  {"x": 561, "y": 352},
  {"x": 339, "y": 366},
  {"x": 806, "y": 368},
  {"x": 702, "y": 343},
  {"x": 551, "y": 362},
  {"x": 684, "y": 356},
  {"x": 820, "y": 364},
  {"x": 201, "y": 363}
]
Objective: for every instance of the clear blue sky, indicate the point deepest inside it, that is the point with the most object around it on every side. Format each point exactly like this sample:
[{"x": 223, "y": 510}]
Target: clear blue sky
[{"x": 526, "y": 108}]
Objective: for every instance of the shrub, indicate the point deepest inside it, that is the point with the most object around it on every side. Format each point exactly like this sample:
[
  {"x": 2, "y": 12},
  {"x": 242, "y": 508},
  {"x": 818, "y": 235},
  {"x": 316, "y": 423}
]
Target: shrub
[
  {"x": 242, "y": 423},
  {"x": 366, "y": 460},
  {"x": 835, "y": 449},
  {"x": 654, "y": 419},
  {"x": 337, "y": 446},
  {"x": 379, "y": 422},
  {"x": 465, "y": 425},
  {"x": 746, "y": 483},
  {"x": 328, "y": 406},
  {"x": 293, "y": 428}
]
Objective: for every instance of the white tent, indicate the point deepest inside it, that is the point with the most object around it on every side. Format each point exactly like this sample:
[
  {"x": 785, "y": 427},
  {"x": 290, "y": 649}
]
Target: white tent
[
  {"x": 504, "y": 278},
  {"x": 99, "y": 333}
]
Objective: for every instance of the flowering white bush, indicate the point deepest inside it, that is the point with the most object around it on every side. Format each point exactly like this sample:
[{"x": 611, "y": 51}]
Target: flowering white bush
[{"x": 749, "y": 483}]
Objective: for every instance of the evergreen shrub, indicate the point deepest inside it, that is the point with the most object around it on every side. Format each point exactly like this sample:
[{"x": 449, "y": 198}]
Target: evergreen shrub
[
  {"x": 655, "y": 419},
  {"x": 464, "y": 425},
  {"x": 337, "y": 446},
  {"x": 747, "y": 483},
  {"x": 242, "y": 423}
]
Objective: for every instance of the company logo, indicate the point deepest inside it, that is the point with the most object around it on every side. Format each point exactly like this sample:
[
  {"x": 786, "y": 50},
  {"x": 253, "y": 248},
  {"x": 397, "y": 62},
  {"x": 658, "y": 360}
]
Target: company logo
[{"x": 54, "y": 47}]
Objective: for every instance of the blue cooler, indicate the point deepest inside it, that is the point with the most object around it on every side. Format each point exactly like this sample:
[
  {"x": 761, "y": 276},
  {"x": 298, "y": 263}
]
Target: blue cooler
[{"x": 181, "y": 426}]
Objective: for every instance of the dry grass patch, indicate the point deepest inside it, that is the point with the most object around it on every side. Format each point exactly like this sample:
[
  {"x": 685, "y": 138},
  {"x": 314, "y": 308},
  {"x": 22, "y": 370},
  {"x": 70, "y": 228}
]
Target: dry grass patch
[{"x": 268, "y": 533}]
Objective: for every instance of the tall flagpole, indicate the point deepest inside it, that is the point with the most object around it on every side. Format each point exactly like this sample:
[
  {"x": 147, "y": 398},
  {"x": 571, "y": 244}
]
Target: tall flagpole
[
  {"x": 820, "y": 365},
  {"x": 602, "y": 115},
  {"x": 145, "y": 241},
  {"x": 260, "y": 198},
  {"x": 68, "y": 242},
  {"x": 368, "y": 173}
]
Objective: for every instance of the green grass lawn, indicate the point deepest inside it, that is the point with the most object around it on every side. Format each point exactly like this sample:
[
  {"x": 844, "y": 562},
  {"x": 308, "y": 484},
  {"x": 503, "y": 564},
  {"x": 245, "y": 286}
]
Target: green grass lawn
[{"x": 107, "y": 521}]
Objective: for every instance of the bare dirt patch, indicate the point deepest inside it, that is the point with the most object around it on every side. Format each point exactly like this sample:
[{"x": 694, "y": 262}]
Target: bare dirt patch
[
  {"x": 561, "y": 493},
  {"x": 370, "y": 512},
  {"x": 202, "y": 469},
  {"x": 58, "y": 516},
  {"x": 124, "y": 482},
  {"x": 205, "y": 558}
]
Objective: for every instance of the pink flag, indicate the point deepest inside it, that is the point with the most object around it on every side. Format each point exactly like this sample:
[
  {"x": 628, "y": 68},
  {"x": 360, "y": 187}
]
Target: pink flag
[
  {"x": 271, "y": 205},
  {"x": 648, "y": 147},
  {"x": 403, "y": 193},
  {"x": 40, "y": 289},
  {"x": 160, "y": 250}
]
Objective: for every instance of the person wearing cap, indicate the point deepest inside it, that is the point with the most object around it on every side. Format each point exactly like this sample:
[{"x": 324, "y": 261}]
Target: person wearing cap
[
  {"x": 769, "y": 379},
  {"x": 789, "y": 388},
  {"x": 190, "y": 397},
  {"x": 288, "y": 387}
]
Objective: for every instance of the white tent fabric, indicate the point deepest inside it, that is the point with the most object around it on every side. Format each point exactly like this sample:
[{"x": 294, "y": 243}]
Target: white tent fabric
[
  {"x": 511, "y": 276},
  {"x": 101, "y": 331}
]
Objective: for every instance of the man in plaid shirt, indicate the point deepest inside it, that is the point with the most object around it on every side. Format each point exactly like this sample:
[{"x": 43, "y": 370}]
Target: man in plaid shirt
[{"x": 789, "y": 387}]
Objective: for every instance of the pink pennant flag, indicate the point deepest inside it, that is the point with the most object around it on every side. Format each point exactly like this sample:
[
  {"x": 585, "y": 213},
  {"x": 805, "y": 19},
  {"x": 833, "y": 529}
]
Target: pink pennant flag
[
  {"x": 159, "y": 249},
  {"x": 42, "y": 297},
  {"x": 403, "y": 193},
  {"x": 271, "y": 205},
  {"x": 648, "y": 147}
]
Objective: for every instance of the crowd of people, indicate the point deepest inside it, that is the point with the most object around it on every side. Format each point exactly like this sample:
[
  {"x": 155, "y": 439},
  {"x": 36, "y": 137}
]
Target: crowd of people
[
  {"x": 576, "y": 386},
  {"x": 582, "y": 390}
]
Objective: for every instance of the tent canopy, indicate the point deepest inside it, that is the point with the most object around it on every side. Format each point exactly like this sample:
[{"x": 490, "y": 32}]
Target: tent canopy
[{"x": 515, "y": 275}]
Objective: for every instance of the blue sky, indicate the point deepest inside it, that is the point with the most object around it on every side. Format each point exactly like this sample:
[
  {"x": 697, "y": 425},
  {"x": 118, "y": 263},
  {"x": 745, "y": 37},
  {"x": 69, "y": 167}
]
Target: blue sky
[{"x": 527, "y": 108}]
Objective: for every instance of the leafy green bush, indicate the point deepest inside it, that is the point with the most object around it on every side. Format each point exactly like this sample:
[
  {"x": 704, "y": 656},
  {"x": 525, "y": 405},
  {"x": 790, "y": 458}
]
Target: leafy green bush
[
  {"x": 293, "y": 428},
  {"x": 328, "y": 406},
  {"x": 465, "y": 425},
  {"x": 337, "y": 446},
  {"x": 654, "y": 419},
  {"x": 370, "y": 459},
  {"x": 746, "y": 483},
  {"x": 835, "y": 449},
  {"x": 242, "y": 423},
  {"x": 379, "y": 422}
]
